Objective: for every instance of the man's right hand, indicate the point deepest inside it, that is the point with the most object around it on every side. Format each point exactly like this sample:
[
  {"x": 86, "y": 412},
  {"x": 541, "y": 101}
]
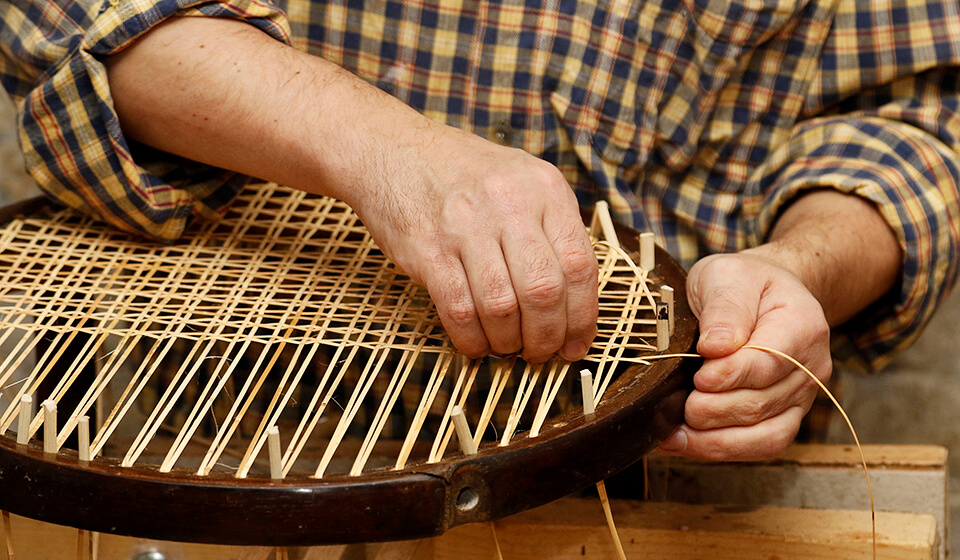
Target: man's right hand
[
  {"x": 495, "y": 236},
  {"x": 493, "y": 233}
]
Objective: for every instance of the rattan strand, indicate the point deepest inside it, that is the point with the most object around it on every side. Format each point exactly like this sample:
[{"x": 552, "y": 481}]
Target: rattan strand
[{"x": 282, "y": 280}]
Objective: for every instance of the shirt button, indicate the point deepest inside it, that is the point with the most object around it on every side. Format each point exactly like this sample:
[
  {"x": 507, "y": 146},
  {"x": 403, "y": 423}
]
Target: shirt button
[{"x": 503, "y": 135}]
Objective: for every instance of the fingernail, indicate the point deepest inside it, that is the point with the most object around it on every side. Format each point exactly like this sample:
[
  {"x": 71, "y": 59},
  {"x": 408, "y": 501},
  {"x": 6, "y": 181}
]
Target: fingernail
[
  {"x": 719, "y": 332},
  {"x": 675, "y": 443},
  {"x": 573, "y": 350}
]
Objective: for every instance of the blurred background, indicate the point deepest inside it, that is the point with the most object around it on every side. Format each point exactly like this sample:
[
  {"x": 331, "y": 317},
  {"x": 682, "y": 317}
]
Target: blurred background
[{"x": 916, "y": 400}]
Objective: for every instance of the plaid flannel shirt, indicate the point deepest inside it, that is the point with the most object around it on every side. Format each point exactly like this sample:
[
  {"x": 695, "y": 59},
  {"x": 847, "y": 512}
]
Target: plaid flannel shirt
[{"x": 697, "y": 120}]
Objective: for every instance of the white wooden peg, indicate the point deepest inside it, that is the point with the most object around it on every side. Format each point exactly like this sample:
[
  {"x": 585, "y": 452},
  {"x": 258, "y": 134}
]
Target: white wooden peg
[
  {"x": 595, "y": 227},
  {"x": 666, "y": 296},
  {"x": 83, "y": 438},
  {"x": 602, "y": 223},
  {"x": 273, "y": 449},
  {"x": 23, "y": 424},
  {"x": 647, "y": 252},
  {"x": 586, "y": 386},
  {"x": 663, "y": 328},
  {"x": 467, "y": 445},
  {"x": 50, "y": 426}
]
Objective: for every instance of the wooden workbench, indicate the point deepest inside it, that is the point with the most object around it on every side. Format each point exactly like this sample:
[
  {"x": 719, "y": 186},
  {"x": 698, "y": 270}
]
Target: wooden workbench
[{"x": 808, "y": 504}]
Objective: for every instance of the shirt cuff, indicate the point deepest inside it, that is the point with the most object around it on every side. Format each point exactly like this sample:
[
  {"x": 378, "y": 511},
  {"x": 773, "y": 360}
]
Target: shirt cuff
[
  {"x": 71, "y": 137},
  {"x": 912, "y": 178}
]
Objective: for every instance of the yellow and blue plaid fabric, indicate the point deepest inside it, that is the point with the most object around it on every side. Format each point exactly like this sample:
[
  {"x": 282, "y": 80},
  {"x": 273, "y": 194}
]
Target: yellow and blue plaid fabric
[{"x": 697, "y": 120}]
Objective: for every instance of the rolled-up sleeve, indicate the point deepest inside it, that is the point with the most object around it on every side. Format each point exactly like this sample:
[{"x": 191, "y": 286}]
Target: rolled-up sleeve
[
  {"x": 902, "y": 157},
  {"x": 51, "y": 64}
]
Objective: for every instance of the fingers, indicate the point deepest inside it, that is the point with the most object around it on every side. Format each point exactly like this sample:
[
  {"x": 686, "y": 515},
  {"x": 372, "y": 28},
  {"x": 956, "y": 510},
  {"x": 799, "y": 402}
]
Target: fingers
[
  {"x": 518, "y": 298},
  {"x": 748, "y": 403},
  {"x": 725, "y": 304},
  {"x": 541, "y": 293},
  {"x": 498, "y": 241},
  {"x": 451, "y": 294},
  {"x": 494, "y": 297},
  {"x": 556, "y": 289},
  {"x": 578, "y": 261},
  {"x": 521, "y": 292},
  {"x": 805, "y": 339},
  {"x": 554, "y": 272},
  {"x": 748, "y": 407},
  {"x": 758, "y": 442},
  {"x": 762, "y": 306}
]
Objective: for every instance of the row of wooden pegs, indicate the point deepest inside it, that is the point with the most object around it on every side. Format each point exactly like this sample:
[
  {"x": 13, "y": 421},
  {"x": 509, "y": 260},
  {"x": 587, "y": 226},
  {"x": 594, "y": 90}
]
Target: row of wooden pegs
[
  {"x": 601, "y": 227},
  {"x": 50, "y": 443}
]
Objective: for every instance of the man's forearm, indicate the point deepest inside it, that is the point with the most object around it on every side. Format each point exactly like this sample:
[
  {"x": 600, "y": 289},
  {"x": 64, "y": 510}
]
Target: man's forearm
[
  {"x": 492, "y": 232},
  {"x": 840, "y": 247},
  {"x": 224, "y": 93}
]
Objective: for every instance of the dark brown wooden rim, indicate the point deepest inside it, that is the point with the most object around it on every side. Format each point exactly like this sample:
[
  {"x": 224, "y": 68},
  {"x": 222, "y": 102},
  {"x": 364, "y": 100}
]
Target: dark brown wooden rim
[{"x": 571, "y": 453}]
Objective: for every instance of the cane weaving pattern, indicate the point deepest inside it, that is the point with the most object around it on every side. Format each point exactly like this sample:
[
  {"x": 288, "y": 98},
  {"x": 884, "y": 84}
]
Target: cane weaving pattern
[{"x": 284, "y": 313}]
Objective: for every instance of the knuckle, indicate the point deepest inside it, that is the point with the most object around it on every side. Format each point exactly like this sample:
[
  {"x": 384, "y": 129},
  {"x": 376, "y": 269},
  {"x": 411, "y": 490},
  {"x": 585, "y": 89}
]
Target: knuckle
[
  {"x": 547, "y": 336},
  {"x": 824, "y": 373},
  {"x": 581, "y": 329},
  {"x": 545, "y": 293},
  {"x": 734, "y": 377},
  {"x": 541, "y": 343},
  {"x": 808, "y": 388},
  {"x": 544, "y": 171},
  {"x": 498, "y": 299},
  {"x": 752, "y": 410},
  {"x": 501, "y": 305},
  {"x": 711, "y": 266},
  {"x": 461, "y": 313},
  {"x": 816, "y": 326},
  {"x": 509, "y": 193},
  {"x": 579, "y": 265},
  {"x": 503, "y": 187},
  {"x": 806, "y": 383},
  {"x": 442, "y": 268}
]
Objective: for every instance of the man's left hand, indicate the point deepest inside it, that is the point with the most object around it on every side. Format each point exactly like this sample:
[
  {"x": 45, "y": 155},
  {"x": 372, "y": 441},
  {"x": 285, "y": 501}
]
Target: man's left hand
[{"x": 748, "y": 404}]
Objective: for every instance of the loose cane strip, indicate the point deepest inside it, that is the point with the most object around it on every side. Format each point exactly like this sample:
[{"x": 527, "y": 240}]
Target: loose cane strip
[
  {"x": 469, "y": 448},
  {"x": 589, "y": 409}
]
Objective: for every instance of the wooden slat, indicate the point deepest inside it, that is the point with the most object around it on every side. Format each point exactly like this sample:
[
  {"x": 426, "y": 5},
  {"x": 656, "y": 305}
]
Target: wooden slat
[
  {"x": 320, "y": 552},
  {"x": 574, "y": 529},
  {"x": 422, "y": 549},
  {"x": 905, "y": 478},
  {"x": 908, "y": 456}
]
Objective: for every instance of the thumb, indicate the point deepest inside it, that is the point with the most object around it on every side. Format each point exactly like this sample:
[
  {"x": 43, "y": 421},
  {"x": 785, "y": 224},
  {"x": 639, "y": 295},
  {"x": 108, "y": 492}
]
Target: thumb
[{"x": 725, "y": 302}]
